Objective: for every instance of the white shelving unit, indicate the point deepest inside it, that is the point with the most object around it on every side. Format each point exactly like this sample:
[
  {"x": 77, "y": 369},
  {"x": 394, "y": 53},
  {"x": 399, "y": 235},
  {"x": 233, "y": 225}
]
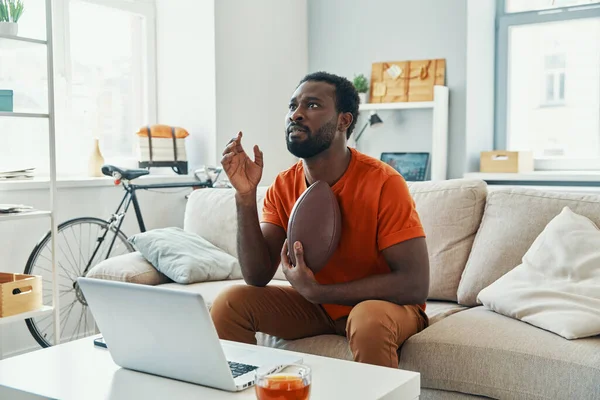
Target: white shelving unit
[
  {"x": 23, "y": 114},
  {"x": 25, "y": 215},
  {"x": 439, "y": 105},
  {"x": 20, "y": 317},
  {"x": 23, "y": 39},
  {"x": 15, "y": 40},
  {"x": 397, "y": 106}
]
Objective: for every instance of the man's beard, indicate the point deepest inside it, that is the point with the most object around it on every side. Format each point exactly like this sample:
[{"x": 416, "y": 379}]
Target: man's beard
[{"x": 314, "y": 143}]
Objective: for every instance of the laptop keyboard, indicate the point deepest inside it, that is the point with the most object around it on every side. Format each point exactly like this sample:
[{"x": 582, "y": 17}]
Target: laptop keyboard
[{"x": 238, "y": 369}]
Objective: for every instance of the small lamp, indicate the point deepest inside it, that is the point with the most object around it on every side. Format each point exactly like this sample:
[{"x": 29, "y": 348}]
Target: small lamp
[{"x": 374, "y": 121}]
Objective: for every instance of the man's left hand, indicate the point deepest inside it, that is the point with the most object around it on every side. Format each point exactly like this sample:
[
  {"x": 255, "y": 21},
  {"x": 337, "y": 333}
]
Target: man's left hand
[{"x": 300, "y": 277}]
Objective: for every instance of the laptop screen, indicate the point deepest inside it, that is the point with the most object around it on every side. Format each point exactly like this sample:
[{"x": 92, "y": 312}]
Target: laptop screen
[{"x": 412, "y": 166}]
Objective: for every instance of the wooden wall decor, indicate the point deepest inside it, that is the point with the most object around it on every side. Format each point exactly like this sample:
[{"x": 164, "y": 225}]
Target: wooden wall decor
[{"x": 405, "y": 81}]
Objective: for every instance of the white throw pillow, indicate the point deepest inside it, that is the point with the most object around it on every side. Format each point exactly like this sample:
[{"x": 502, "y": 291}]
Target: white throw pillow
[
  {"x": 184, "y": 256},
  {"x": 557, "y": 286}
]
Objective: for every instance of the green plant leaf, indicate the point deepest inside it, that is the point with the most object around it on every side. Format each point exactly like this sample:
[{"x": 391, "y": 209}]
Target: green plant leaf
[
  {"x": 361, "y": 83},
  {"x": 4, "y": 15},
  {"x": 16, "y": 9}
]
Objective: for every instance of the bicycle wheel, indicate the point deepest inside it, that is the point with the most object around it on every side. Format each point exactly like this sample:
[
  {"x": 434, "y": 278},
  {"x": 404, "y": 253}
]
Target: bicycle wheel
[{"x": 77, "y": 240}]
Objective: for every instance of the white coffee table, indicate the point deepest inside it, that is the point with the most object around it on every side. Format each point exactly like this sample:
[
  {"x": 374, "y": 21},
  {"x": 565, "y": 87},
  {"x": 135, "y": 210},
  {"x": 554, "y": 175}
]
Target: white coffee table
[{"x": 80, "y": 370}]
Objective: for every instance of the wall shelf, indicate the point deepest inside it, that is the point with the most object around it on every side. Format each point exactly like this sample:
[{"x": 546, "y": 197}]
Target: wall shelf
[
  {"x": 23, "y": 115},
  {"x": 23, "y": 316},
  {"x": 22, "y": 39},
  {"x": 397, "y": 106},
  {"x": 25, "y": 215},
  {"x": 537, "y": 176},
  {"x": 439, "y": 140}
]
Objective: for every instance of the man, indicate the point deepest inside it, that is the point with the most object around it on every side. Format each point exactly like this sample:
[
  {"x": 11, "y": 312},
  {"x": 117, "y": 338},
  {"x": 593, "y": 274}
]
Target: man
[{"x": 375, "y": 285}]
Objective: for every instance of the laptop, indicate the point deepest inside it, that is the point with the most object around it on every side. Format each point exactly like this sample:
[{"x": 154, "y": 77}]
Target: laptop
[
  {"x": 169, "y": 333},
  {"x": 412, "y": 166}
]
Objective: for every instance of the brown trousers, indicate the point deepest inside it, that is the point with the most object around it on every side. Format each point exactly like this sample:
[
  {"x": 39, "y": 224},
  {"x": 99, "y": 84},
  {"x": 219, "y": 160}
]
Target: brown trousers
[{"x": 375, "y": 329}]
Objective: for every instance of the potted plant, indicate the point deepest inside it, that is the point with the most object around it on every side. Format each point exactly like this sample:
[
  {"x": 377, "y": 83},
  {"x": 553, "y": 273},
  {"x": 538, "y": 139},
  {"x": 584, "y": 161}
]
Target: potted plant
[
  {"x": 362, "y": 86},
  {"x": 10, "y": 12}
]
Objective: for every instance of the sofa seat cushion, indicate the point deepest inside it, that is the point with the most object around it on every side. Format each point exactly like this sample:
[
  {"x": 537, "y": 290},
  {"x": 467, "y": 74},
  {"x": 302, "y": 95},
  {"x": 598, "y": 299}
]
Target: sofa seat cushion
[
  {"x": 337, "y": 346},
  {"x": 481, "y": 352},
  {"x": 333, "y": 346},
  {"x": 438, "y": 310}
]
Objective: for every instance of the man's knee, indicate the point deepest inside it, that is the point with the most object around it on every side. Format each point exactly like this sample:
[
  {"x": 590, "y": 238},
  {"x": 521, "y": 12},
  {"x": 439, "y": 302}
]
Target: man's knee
[
  {"x": 230, "y": 299},
  {"x": 368, "y": 319}
]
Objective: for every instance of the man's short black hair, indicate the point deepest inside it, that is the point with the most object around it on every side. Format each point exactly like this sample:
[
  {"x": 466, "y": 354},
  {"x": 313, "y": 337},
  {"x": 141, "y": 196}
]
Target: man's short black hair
[{"x": 346, "y": 96}]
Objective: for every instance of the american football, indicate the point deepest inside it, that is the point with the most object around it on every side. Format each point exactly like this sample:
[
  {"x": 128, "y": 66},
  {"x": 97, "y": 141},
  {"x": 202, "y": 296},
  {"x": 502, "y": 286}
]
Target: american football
[{"x": 316, "y": 222}]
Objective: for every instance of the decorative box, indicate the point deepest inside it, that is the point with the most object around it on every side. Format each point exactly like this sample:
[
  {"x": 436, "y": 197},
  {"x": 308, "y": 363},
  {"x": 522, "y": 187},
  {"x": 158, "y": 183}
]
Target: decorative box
[
  {"x": 163, "y": 146},
  {"x": 6, "y": 100},
  {"x": 19, "y": 293},
  {"x": 506, "y": 161}
]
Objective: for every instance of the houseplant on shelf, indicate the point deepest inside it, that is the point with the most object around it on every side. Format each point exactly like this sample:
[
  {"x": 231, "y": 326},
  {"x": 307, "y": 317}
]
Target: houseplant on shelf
[
  {"x": 362, "y": 86},
  {"x": 10, "y": 12}
]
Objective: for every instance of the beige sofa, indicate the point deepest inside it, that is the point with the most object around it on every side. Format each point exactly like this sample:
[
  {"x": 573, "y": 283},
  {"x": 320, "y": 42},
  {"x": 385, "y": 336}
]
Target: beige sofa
[{"x": 474, "y": 237}]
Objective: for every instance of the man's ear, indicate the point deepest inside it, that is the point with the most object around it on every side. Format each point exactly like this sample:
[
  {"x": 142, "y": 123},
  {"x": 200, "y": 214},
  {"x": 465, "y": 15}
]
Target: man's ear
[{"x": 344, "y": 121}]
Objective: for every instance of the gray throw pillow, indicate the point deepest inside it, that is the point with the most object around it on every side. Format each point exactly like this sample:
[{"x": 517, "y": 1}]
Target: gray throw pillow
[{"x": 185, "y": 257}]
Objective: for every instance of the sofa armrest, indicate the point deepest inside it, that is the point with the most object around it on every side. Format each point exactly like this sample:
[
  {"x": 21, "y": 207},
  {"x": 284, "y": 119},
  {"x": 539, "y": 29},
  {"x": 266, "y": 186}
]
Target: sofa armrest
[{"x": 131, "y": 267}]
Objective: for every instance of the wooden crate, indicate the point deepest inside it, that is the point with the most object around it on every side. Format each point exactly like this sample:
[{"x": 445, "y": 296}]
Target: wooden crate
[
  {"x": 406, "y": 81},
  {"x": 19, "y": 293},
  {"x": 506, "y": 161}
]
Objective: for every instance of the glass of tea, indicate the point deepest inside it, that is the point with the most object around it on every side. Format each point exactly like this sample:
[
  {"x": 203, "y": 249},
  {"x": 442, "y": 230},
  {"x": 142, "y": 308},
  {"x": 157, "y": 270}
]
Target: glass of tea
[{"x": 290, "y": 383}]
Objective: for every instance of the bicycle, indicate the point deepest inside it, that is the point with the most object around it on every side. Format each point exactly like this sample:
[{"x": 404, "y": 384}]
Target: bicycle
[{"x": 75, "y": 257}]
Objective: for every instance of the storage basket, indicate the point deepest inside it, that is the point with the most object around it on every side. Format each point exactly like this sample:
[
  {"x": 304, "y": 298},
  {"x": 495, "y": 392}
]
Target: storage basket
[{"x": 19, "y": 293}]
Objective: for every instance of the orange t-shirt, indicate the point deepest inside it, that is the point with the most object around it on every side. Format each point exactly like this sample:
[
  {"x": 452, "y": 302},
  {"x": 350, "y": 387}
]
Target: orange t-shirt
[{"x": 377, "y": 212}]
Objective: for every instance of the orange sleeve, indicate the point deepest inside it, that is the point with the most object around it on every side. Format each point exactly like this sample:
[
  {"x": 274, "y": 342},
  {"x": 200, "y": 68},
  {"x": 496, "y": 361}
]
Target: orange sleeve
[
  {"x": 269, "y": 212},
  {"x": 397, "y": 218}
]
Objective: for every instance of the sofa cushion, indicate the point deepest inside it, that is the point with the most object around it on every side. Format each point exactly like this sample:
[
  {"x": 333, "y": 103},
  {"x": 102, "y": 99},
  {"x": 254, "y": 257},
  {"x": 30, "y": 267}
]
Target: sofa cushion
[
  {"x": 337, "y": 346},
  {"x": 450, "y": 212},
  {"x": 333, "y": 346},
  {"x": 557, "y": 287},
  {"x": 184, "y": 256},
  {"x": 130, "y": 267},
  {"x": 480, "y": 352},
  {"x": 438, "y": 310},
  {"x": 512, "y": 220},
  {"x": 212, "y": 214}
]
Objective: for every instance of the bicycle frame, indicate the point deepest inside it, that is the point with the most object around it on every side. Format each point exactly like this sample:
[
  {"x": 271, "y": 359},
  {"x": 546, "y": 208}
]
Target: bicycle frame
[{"x": 129, "y": 198}]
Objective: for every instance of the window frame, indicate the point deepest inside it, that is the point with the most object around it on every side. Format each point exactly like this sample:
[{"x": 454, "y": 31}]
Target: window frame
[
  {"x": 504, "y": 21},
  {"x": 62, "y": 56}
]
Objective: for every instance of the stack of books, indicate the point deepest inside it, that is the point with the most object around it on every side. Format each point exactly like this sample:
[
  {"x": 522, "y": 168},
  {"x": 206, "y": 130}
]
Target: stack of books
[
  {"x": 162, "y": 149},
  {"x": 15, "y": 173},
  {"x": 161, "y": 140},
  {"x": 14, "y": 208}
]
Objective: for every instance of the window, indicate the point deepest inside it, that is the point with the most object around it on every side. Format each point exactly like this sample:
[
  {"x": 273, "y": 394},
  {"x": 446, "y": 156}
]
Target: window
[
  {"x": 104, "y": 72},
  {"x": 548, "y": 81},
  {"x": 515, "y": 6},
  {"x": 554, "y": 79}
]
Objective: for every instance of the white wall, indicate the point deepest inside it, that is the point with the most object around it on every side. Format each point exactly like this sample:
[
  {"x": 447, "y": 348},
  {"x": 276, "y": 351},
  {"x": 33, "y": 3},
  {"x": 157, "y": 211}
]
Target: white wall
[
  {"x": 347, "y": 36},
  {"x": 481, "y": 35},
  {"x": 186, "y": 74},
  {"x": 18, "y": 238},
  {"x": 261, "y": 55}
]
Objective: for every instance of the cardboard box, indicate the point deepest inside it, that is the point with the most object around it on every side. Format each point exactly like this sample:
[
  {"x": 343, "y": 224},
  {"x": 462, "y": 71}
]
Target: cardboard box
[
  {"x": 19, "y": 293},
  {"x": 506, "y": 161}
]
